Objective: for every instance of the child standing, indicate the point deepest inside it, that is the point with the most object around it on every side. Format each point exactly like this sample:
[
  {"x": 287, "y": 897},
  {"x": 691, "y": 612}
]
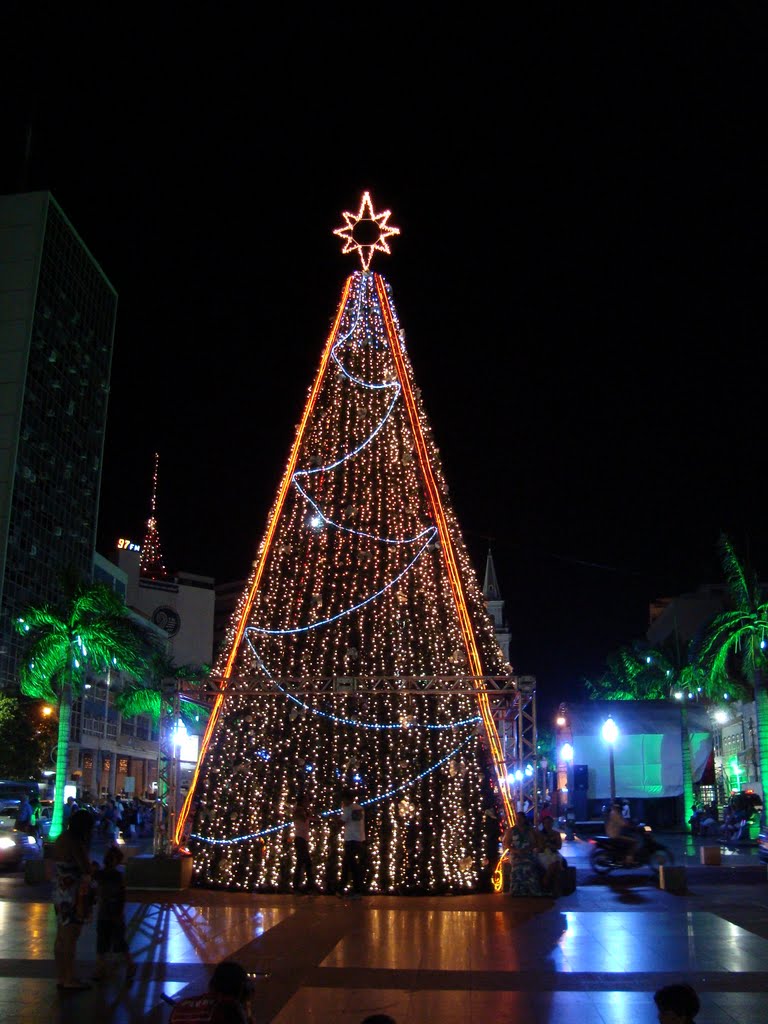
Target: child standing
[{"x": 110, "y": 916}]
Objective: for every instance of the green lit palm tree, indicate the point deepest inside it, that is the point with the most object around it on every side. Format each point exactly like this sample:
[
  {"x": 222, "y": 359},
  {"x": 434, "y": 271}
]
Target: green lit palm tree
[
  {"x": 144, "y": 696},
  {"x": 632, "y": 673},
  {"x": 91, "y": 631},
  {"x": 733, "y": 647}
]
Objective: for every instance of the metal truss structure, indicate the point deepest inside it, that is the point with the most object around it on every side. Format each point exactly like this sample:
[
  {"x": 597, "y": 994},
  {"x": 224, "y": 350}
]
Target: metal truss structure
[
  {"x": 168, "y": 770},
  {"x": 515, "y": 717},
  {"x": 259, "y": 686}
]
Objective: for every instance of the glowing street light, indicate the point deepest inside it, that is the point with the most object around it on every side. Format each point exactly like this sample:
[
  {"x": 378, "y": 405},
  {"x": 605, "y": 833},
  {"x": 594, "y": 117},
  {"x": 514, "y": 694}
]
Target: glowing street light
[{"x": 610, "y": 735}]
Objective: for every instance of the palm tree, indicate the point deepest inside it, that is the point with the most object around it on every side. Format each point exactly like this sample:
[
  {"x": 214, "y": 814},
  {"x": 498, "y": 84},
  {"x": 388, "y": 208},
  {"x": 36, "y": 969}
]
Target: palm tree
[
  {"x": 90, "y": 631},
  {"x": 735, "y": 643},
  {"x": 144, "y": 696},
  {"x": 632, "y": 674},
  {"x": 153, "y": 696}
]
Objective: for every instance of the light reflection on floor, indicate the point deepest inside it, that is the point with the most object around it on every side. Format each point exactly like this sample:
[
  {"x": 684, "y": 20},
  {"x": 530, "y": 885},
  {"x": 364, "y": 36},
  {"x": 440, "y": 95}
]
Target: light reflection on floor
[{"x": 417, "y": 961}]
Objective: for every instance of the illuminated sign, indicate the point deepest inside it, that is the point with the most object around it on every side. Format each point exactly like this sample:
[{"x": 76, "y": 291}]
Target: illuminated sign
[{"x": 127, "y": 545}]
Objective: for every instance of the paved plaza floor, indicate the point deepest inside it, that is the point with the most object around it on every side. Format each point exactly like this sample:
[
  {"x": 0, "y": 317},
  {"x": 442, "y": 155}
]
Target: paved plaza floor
[{"x": 595, "y": 956}]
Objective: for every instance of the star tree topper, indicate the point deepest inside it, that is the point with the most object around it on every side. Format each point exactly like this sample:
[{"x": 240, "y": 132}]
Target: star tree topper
[{"x": 366, "y": 232}]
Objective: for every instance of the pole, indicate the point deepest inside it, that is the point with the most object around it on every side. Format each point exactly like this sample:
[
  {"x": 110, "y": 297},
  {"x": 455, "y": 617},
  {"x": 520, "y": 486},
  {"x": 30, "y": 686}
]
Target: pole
[
  {"x": 612, "y": 768},
  {"x": 166, "y": 803}
]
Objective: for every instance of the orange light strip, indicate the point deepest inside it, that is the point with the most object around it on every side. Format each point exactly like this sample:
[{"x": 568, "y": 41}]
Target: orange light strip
[
  {"x": 498, "y": 872},
  {"x": 446, "y": 543},
  {"x": 287, "y": 479}
]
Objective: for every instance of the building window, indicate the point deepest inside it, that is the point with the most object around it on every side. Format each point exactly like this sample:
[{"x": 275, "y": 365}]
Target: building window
[
  {"x": 88, "y": 762},
  {"x": 122, "y": 765}
]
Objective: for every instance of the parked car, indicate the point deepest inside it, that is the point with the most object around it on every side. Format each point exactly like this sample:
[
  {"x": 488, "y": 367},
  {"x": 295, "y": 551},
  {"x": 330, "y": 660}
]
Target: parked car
[
  {"x": 8, "y": 815},
  {"x": 15, "y": 846},
  {"x": 12, "y": 848},
  {"x": 46, "y": 815},
  {"x": 762, "y": 845},
  {"x": 12, "y": 790}
]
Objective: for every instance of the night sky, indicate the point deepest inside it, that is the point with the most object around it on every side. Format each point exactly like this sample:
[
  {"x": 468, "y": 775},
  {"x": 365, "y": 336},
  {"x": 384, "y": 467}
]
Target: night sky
[{"x": 580, "y": 273}]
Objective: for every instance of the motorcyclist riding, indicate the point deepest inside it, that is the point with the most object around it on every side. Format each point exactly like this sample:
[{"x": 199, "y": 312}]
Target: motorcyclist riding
[{"x": 623, "y": 833}]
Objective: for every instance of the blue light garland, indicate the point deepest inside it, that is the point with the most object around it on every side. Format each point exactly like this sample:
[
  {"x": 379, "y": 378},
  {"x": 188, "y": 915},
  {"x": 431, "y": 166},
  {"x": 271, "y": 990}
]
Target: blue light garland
[{"x": 345, "y": 611}]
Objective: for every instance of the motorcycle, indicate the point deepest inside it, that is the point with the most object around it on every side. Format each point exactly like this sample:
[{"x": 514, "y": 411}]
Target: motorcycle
[
  {"x": 610, "y": 854},
  {"x": 734, "y": 830}
]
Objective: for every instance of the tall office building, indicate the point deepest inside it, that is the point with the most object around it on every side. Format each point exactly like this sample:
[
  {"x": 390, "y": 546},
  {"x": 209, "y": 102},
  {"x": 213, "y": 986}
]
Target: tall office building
[{"x": 57, "y": 321}]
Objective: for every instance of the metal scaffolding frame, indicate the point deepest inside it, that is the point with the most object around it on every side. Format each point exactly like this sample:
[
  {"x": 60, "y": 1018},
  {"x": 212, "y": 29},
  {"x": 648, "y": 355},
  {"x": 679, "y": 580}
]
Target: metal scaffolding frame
[
  {"x": 515, "y": 717},
  {"x": 257, "y": 685},
  {"x": 167, "y": 802}
]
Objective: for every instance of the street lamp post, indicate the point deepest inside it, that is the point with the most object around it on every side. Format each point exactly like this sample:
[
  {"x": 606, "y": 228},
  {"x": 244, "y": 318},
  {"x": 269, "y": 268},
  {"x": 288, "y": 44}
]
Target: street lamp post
[{"x": 610, "y": 735}]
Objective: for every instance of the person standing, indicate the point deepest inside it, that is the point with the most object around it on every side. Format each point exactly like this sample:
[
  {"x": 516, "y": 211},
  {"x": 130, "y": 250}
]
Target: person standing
[
  {"x": 34, "y": 821},
  {"x": 69, "y": 809},
  {"x": 71, "y": 896},
  {"x": 119, "y": 814},
  {"x": 110, "y": 915},
  {"x": 303, "y": 818},
  {"x": 353, "y": 817},
  {"x": 109, "y": 820},
  {"x": 24, "y": 815}
]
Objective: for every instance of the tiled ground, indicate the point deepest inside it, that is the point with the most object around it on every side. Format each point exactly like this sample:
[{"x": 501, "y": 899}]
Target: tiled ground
[{"x": 595, "y": 957}]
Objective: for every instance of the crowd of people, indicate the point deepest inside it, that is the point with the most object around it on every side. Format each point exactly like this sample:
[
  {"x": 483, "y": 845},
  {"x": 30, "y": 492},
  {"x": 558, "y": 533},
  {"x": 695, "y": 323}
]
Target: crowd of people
[
  {"x": 738, "y": 812},
  {"x": 116, "y": 816}
]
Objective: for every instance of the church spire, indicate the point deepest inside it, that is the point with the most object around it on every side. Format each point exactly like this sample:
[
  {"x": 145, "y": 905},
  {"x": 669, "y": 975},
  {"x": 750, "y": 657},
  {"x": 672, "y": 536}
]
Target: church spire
[
  {"x": 491, "y": 589},
  {"x": 151, "y": 561},
  {"x": 495, "y": 605}
]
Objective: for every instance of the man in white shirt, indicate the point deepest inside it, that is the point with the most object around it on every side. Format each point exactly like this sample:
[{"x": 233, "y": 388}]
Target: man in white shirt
[{"x": 353, "y": 817}]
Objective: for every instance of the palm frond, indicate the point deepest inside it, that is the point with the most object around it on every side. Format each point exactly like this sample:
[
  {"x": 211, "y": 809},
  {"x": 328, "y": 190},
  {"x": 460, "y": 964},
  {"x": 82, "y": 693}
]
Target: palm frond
[
  {"x": 743, "y": 587},
  {"x": 139, "y": 700},
  {"x": 145, "y": 700}
]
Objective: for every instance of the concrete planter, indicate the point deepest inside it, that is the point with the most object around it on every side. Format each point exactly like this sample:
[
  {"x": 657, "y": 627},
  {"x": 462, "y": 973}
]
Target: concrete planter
[
  {"x": 38, "y": 871},
  {"x": 149, "y": 872},
  {"x": 673, "y": 878},
  {"x": 710, "y": 855}
]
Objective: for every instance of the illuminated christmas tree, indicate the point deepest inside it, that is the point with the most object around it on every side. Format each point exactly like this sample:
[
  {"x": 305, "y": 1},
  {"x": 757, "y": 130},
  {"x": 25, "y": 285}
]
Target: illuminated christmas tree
[
  {"x": 151, "y": 560},
  {"x": 362, "y": 619}
]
